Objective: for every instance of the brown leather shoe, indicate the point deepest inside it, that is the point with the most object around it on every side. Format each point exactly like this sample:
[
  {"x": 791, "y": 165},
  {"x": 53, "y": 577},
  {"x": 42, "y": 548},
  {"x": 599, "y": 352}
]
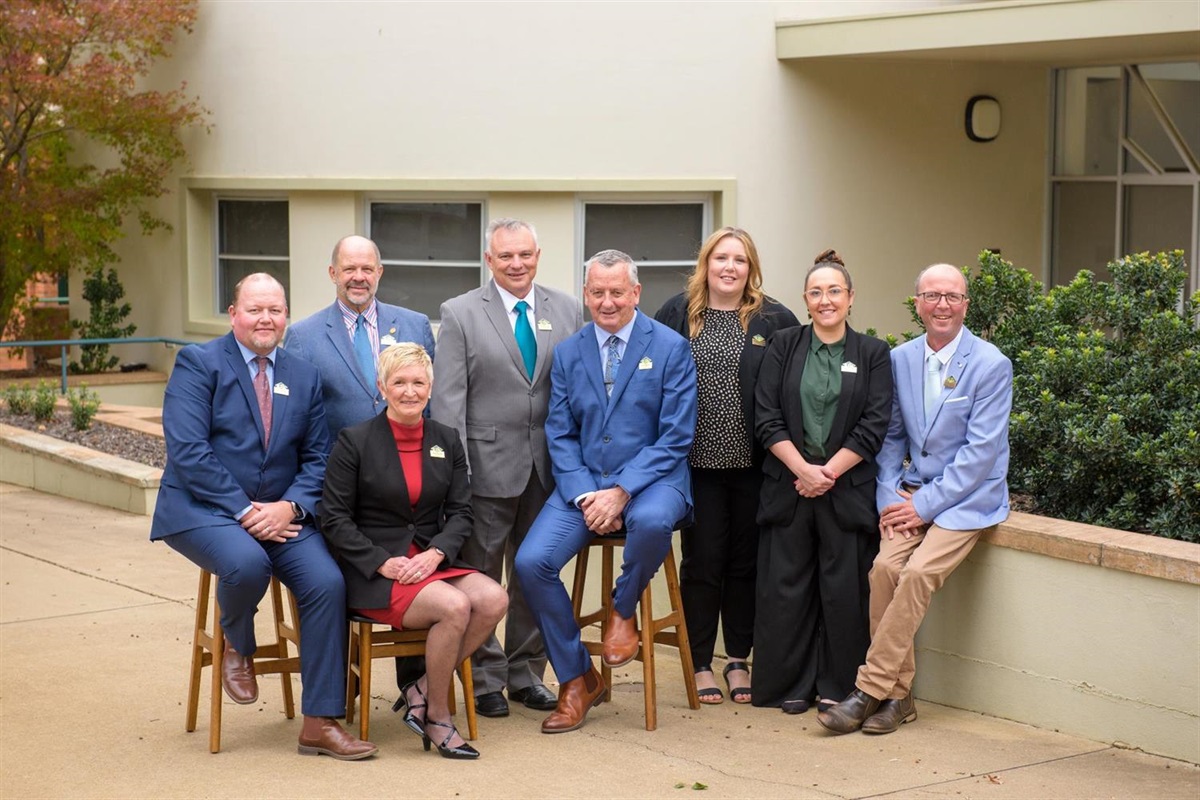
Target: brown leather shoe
[
  {"x": 575, "y": 699},
  {"x": 849, "y": 715},
  {"x": 891, "y": 715},
  {"x": 329, "y": 739},
  {"x": 237, "y": 677},
  {"x": 621, "y": 641}
]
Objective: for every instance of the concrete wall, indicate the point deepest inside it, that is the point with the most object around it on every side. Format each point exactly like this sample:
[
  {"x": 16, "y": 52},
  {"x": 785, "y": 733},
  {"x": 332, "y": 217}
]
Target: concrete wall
[{"x": 532, "y": 105}]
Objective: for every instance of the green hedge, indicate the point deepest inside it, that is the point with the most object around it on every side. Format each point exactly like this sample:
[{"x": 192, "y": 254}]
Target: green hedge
[{"x": 1105, "y": 425}]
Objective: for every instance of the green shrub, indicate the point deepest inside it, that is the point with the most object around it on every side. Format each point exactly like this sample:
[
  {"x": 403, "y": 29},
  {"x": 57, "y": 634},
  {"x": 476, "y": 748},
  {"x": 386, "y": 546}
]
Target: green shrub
[
  {"x": 43, "y": 402},
  {"x": 19, "y": 399},
  {"x": 83, "y": 404},
  {"x": 103, "y": 291},
  {"x": 1105, "y": 426}
]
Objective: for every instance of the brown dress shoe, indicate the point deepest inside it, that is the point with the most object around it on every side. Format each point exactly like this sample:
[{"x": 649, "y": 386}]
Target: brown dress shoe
[
  {"x": 575, "y": 699},
  {"x": 323, "y": 736},
  {"x": 849, "y": 715},
  {"x": 621, "y": 641},
  {"x": 891, "y": 715},
  {"x": 237, "y": 677}
]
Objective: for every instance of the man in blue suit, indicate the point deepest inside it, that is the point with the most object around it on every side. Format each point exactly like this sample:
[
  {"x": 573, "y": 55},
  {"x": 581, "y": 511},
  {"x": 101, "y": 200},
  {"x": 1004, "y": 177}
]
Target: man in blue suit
[
  {"x": 621, "y": 421},
  {"x": 343, "y": 341},
  {"x": 950, "y": 420},
  {"x": 246, "y": 449}
]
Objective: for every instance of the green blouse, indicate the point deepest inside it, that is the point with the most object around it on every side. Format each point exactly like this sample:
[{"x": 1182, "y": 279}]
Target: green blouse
[{"x": 820, "y": 386}]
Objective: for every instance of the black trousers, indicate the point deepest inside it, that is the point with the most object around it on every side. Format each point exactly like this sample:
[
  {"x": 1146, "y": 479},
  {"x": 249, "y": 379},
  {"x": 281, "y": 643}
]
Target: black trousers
[
  {"x": 813, "y": 624},
  {"x": 720, "y": 552}
]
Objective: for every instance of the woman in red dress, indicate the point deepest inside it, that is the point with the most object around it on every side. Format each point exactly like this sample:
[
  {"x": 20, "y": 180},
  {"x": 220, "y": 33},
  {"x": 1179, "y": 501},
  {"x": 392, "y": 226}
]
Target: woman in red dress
[{"x": 396, "y": 511}]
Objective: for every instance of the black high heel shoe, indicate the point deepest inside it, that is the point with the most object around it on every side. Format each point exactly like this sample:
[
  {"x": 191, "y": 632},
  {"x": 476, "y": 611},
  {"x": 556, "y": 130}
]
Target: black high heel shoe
[
  {"x": 415, "y": 724},
  {"x": 463, "y": 750}
]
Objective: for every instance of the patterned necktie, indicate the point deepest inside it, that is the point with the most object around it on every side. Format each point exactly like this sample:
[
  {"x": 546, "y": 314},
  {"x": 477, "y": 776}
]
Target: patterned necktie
[
  {"x": 362, "y": 350},
  {"x": 526, "y": 341},
  {"x": 933, "y": 385},
  {"x": 263, "y": 392},
  {"x": 612, "y": 363}
]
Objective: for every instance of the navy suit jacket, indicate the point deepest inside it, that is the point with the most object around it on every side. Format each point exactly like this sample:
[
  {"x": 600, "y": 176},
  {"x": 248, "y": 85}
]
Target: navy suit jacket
[
  {"x": 216, "y": 462},
  {"x": 960, "y": 455},
  {"x": 322, "y": 340},
  {"x": 638, "y": 437}
]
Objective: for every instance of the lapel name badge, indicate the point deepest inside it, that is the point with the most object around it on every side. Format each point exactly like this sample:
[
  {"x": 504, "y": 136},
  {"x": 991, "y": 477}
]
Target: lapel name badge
[
  {"x": 951, "y": 382},
  {"x": 437, "y": 452},
  {"x": 281, "y": 388},
  {"x": 849, "y": 366},
  {"x": 646, "y": 363},
  {"x": 758, "y": 340},
  {"x": 544, "y": 325},
  {"x": 388, "y": 340}
]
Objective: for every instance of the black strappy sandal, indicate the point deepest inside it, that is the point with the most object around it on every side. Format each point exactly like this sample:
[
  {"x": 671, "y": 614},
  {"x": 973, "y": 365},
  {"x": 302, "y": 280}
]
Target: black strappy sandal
[
  {"x": 709, "y": 693},
  {"x": 444, "y": 749},
  {"x": 742, "y": 693}
]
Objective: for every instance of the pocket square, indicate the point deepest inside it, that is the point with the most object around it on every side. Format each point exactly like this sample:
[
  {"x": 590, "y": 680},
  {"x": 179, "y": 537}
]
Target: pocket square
[{"x": 956, "y": 400}]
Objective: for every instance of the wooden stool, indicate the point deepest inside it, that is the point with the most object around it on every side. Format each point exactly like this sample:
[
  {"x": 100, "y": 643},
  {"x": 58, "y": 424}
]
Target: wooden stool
[
  {"x": 208, "y": 648},
  {"x": 652, "y": 630},
  {"x": 367, "y": 644}
]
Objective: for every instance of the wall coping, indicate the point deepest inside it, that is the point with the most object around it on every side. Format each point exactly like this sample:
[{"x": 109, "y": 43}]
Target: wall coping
[{"x": 84, "y": 458}]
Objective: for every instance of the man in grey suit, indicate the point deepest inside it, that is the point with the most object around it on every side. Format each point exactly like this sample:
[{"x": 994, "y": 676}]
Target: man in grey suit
[
  {"x": 492, "y": 383},
  {"x": 343, "y": 341}
]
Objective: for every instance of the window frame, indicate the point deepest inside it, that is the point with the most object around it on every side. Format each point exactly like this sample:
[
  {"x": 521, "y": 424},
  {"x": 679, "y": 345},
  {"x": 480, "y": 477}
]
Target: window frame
[{"x": 218, "y": 256}]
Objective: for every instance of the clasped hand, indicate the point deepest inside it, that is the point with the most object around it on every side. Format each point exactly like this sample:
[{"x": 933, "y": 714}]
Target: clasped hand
[
  {"x": 603, "y": 509},
  {"x": 900, "y": 518},
  {"x": 814, "y": 480},
  {"x": 270, "y": 522},
  {"x": 403, "y": 569}
]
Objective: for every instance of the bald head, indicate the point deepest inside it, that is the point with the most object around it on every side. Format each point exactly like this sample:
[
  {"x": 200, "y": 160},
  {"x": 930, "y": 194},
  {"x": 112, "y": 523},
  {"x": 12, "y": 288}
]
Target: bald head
[
  {"x": 944, "y": 271},
  {"x": 942, "y": 303}
]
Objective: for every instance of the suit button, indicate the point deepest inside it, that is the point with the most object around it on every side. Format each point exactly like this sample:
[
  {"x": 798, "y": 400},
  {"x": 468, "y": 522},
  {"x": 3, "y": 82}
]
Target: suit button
[
  {"x": 607, "y": 439},
  {"x": 604, "y": 474},
  {"x": 924, "y": 454},
  {"x": 412, "y": 527}
]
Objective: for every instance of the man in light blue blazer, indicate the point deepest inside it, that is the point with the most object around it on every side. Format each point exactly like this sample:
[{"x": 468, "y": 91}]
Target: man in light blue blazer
[
  {"x": 950, "y": 416},
  {"x": 343, "y": 341},
  {"x": 246, "y": 449},
  {"x": 621, "y": 421}
]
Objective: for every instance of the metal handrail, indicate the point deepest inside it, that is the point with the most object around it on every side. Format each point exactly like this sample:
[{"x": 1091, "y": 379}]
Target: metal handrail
[{"x": 66, "y": 344}]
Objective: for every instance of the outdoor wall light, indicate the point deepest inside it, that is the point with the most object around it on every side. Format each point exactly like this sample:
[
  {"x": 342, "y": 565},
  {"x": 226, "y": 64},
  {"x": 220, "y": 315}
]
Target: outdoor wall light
[{"x": 983, "y": 118}]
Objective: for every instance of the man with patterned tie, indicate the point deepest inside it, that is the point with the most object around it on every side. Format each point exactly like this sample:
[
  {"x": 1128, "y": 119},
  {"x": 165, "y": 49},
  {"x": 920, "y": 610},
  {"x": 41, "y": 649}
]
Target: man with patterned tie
[
  {"x": 492, "y": 383},
  {"x": 621, "y": 422},
  {"x": 246, "y": 449},
  {"x": 942, "y": 483}
]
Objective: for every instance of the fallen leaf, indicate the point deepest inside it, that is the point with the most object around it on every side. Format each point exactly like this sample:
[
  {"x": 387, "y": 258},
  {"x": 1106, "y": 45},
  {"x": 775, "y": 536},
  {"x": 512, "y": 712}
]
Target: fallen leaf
[{"x": 698, "y": 786}]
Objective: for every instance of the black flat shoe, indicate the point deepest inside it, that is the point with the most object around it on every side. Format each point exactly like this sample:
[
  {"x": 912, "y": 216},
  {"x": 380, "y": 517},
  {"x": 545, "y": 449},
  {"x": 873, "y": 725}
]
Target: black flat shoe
[
  {"x": 740, "y": 694},
  {"x": 415, "y": 724},
  {"x": 537, "y": 697},
  {"x": 491, "y": 704},
  {"x": 463, "y": 751},
  {"x": 795, "y": 706}
]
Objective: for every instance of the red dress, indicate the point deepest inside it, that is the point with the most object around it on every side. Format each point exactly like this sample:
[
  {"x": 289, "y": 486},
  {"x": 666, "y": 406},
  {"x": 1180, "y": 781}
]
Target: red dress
[{"x": 408, "y": 445}]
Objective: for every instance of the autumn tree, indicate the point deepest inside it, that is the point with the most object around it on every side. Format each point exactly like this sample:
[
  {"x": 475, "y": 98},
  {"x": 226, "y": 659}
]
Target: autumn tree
[{"x": 83, "y": 142}]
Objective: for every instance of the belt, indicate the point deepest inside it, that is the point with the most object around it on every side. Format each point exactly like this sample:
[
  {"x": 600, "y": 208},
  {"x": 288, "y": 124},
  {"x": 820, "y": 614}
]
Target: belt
[{"x": 909, "y": 487}]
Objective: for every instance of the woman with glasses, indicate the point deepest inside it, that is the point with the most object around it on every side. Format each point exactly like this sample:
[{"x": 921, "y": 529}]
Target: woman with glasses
[
  {"x": 729, "y": 322},
  {"x": 823, "y": 402}
]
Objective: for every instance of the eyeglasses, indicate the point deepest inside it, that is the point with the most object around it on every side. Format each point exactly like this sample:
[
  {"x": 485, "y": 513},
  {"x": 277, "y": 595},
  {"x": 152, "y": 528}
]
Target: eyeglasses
[
  {"x": 834, "y": 293},
  {"x": 933, "y": 298}
]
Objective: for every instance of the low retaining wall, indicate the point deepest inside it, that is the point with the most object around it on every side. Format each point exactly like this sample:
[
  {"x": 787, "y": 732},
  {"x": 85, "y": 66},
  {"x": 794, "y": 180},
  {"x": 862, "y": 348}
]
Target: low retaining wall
[
  {"x": 56, "y": 467},
  {"x": 1086, "y": 630}
]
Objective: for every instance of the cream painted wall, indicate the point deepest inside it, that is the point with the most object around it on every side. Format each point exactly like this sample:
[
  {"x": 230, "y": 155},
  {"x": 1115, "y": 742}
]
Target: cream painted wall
[{"x": 353, "y": 97}]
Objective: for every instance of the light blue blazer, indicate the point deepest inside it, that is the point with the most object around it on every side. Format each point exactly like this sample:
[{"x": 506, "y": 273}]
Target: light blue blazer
[
  {"x": 638, "y": 437},
  {"x": 960, "y": 457},
  {"x": 321, "y": 339}
]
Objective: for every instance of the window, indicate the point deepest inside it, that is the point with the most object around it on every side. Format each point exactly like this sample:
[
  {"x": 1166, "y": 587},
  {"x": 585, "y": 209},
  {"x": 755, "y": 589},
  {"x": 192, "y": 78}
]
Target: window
[
  {"x": 252, "y": 236},
  {"x": 431, "y": 251},
  {"x": 662, "y": 237},
  {"x": 1126, "y": 165}
]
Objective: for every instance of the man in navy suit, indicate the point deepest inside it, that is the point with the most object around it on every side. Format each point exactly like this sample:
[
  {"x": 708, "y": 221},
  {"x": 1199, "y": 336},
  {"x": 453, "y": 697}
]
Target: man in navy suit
[
  {"x": 246, "y": 449},
  {"x": 942, "y": 483},
  {"x": 343, "y": 341},
  {"x": 621, "y": 421}
]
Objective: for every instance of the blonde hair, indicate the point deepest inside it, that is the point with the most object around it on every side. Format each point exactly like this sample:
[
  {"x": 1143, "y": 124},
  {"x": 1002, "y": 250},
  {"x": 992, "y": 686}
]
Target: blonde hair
[
  {"x": 400, "y": 355},
  {"x": 697, "y": 285}
]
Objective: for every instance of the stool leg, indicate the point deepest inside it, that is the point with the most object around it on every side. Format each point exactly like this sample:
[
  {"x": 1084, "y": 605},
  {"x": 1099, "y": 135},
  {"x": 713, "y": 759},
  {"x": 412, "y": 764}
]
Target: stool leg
[
  {"x": 365, "y": 645},
  {"x": 351, "y": 672},
  {"x": 581, "y": 562},
  {"x": 606, "y": 605},
  {"x": 281, "y": 646},
  {"x": 218, "y": 652},
  {"x": 647, "y": 655},
  {"x": 468, "y": 682},
  {"x": 200, "y": 640},
  {"x": 685, "y": 645}
]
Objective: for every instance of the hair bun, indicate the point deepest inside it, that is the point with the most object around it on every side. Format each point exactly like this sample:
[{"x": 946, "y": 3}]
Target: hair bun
[{"x": 829, "y": 256}]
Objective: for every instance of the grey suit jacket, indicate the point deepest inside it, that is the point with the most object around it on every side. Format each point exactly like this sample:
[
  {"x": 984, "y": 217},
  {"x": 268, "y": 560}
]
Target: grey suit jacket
[
  {"x": 480, "y": 386},
  {"x": 322, "y": 340}
]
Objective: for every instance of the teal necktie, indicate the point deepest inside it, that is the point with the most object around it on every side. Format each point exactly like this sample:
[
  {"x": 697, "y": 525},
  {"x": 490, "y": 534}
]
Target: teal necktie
[
  {"x": 933, "y": 385},
  {"x": 362, "y": 350},
  {"x": 526, "y": 341}
]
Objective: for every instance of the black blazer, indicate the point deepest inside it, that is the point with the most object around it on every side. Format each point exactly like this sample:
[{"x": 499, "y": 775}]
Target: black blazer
[
  {"x": 773, "y": 316},
  {"x": 860, "y": 423},
  {"x": 365, "y": 514}
]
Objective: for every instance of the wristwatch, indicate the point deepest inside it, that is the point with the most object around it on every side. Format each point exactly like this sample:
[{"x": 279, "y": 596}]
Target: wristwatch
[{"x": 297, "y": 511}]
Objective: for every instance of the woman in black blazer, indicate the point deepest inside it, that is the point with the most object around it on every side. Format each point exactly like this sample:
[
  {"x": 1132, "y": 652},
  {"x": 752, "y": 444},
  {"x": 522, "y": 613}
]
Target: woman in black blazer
[
  {"x": 396, "y": 511},
  {"x": 824, "y": 399},
  {"x": 729, "y": 321}
]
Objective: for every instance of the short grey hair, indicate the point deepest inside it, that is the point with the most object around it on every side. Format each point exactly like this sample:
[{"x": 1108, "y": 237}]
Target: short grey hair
[
  {"x": 508, "y": 224},
  {"x": 611, "y": 258},
  {"x": 921, "y": 274}
]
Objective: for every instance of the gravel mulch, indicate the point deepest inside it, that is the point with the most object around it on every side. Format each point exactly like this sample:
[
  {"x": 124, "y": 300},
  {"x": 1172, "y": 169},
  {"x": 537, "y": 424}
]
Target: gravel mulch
[{"x": 112, "y": 439}]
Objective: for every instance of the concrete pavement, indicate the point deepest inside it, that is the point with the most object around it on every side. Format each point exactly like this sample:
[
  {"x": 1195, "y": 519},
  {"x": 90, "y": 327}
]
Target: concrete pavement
[{"x": 95, "y": 626}]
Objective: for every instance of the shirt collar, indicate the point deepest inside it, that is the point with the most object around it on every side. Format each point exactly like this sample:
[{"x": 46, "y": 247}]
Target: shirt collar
[
  {"x": 350, "y": 316},
  {"x": 623, "y": 334},
  {"x": 249, "y": 355},
  {"x": 946, "y": 353},
  {"x": 510, "y": 300}
]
